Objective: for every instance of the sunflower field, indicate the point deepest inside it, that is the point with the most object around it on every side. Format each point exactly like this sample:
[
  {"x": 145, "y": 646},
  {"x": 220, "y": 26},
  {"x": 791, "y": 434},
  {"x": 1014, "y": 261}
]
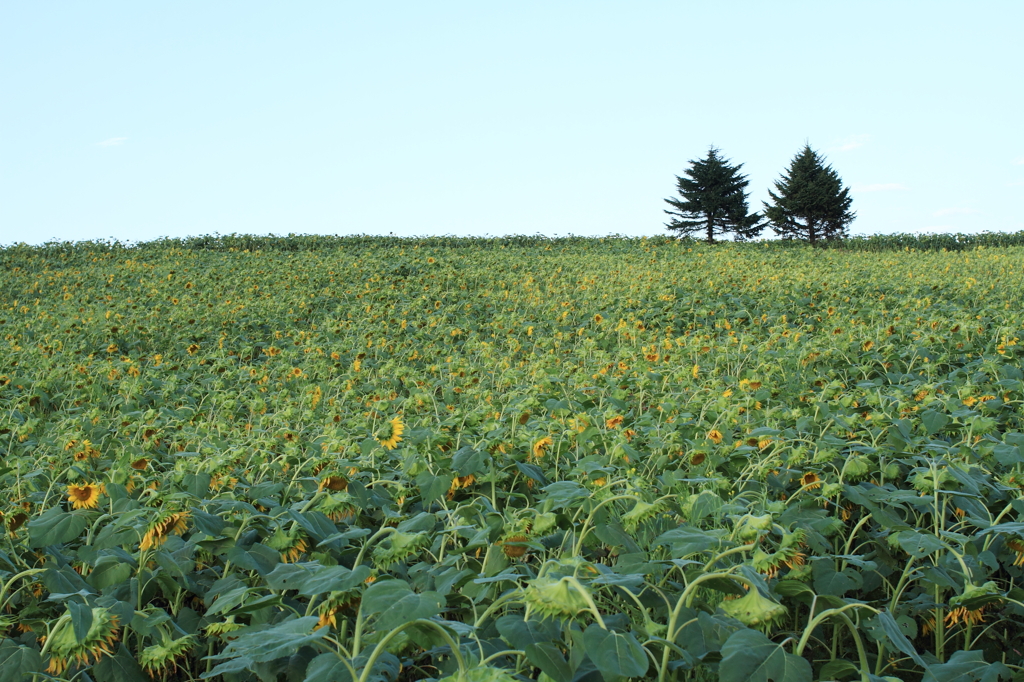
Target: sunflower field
[{"x": 487, "y": 460}]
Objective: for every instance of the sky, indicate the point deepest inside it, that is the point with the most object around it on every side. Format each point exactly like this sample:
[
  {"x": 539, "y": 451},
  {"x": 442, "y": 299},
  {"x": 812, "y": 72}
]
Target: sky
[{"x": 138, "y": 120}]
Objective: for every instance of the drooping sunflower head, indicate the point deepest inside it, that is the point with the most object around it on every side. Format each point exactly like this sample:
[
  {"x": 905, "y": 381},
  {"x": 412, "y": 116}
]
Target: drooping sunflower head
[
  {"x": 752, "y": 609},
  {"x": 641, "y": 512},
  {"x": 163, "y": 658},
  {"x": 158, "y": 531},
  {"x": 65, "y": 647},
  {"x": 715, "y": 436},
  {"x": 290, "y": 544},
  {"x": 397, "y": 547},
  {"x": 810, "y": 480},
  {"x": 541, "y": 446},
  {"x": 554, "y": 597},
  {"x": 338, "y": 506},
  {"x": 85, "y": 496},
  {"x": 392, "y": 434}
]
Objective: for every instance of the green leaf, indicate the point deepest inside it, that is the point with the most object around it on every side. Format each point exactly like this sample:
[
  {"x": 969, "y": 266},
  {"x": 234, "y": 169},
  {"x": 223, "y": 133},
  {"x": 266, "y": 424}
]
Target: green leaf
[
  {"x": 81, "y": 619},
  {"x": 432, "y": 487},
  {"x": 327, "y": 668},
  {"x": 121, "y": 667},
  {"x": 704, "y": 634},
  {"x": 827, "y": 580},
  {"x": 919, "y": 545},
  {"x": 933, "y": 421},
  {"x": 686, "y": 540},
  {"x": 311, "y": 578},
  {"x": 532, "y": 471},
  {"x": 64, "y": 581},
  {"x": 211, "y": 524},
  {"x": 899, "y": 640},
  {"x": 55, "y": 526},
  {"x": 394, "y": 603},
  {"x": 17, "y": 663},
  {"x": 550, "y": 660},
  {"x": 521, "y": 633},
  {"x": 259, "y": 645},
  {"x": 966, "y": 666},
  {"x": 468, "y": 460},
  {"x": 749, "y": 656},
  {"x": 109, "y": 570},
  {"x": 563, "y": 494},
  {"x": 615, "y": 654},
  {"x": 837, "y": 668}
]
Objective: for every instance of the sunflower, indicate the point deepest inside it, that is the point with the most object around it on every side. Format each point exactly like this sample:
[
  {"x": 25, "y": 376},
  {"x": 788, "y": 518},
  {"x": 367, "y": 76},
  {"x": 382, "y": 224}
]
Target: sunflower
[
  {"x": 65, "y": 647},
  {"x": 1018, "y": 547},
  {"x": 163, "y": 658},
  {"x": 338, "y": 506},
  {"x": 334, "y": 483},
  {"x": 193, "y": 349},
  {"x": 392, "y": 440},
  {"x": 291, "y": 546},
  {"x": 810, "y": 480},
  {"x": 715, "y": 436},
  {"x": 514, "y": 546},
  {"x": 159, "y": 531},
  {"x": 140, "y": 464},
  {"x": 85, "y": 496},
  {"x": 598, "y": 319},
  {"x": 540, "y": 447},
  {"x": 460, "y": 482},
  {"x": 614, "y": 422}
]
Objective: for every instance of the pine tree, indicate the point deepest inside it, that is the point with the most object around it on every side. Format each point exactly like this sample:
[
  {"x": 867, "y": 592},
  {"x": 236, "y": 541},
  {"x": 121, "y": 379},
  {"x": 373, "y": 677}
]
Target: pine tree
[
  {"x": 811, "y": 203},
  {"x": 713, "y": 201}
]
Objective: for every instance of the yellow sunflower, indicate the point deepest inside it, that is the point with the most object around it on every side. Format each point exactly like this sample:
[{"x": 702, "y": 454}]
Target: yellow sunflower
[
  {"x": 715, "y": 436},
  {"x": 541, "y": 446},
  {"x": 158, "y": 532},
  {"x": 392, "y": 440},
  {"x": 85, "y": 496}
]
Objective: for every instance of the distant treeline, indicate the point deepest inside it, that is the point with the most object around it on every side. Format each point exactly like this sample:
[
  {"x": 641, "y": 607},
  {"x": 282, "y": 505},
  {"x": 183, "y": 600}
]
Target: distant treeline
[{"x": 65, "y": 250}]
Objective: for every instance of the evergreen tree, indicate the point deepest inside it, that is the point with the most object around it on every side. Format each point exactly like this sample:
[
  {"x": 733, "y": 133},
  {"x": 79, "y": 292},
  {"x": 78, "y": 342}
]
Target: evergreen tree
[
  {"x": 713, "y": 201},
  {"x": 811, "y": 203}
]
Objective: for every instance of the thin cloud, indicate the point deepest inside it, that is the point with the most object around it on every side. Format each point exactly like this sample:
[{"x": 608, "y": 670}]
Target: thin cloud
[
  {"x": 879, "y": 187},
  {"x": 112, "y": 142},
  {"x": 849, "y": 143},
  {"x": 953, "y": 211},
  {"x": 1015, "y": 183},
  {"x": 1019, "y": 161}
]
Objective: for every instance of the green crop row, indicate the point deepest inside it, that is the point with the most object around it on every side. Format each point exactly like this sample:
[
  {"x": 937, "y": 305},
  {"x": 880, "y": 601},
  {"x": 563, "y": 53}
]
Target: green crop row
[{"x": 510, "y": 459}]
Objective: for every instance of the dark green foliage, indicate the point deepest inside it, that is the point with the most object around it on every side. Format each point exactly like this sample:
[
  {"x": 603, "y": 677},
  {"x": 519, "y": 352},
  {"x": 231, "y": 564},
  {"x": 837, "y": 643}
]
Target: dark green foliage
[
  {"x": 811, "y": 203},
  {"x": 713, "y": 201}
]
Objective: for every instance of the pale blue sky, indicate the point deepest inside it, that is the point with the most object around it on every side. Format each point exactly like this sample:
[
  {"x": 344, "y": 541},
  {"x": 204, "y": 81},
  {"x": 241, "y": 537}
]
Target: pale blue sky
[{"x": 143, "y": 119}]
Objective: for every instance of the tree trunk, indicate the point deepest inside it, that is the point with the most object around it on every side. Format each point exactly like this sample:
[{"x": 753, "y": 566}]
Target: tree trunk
[
  {"x": 711, "y": 231},
  {"x": 811, "y": 236}
]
